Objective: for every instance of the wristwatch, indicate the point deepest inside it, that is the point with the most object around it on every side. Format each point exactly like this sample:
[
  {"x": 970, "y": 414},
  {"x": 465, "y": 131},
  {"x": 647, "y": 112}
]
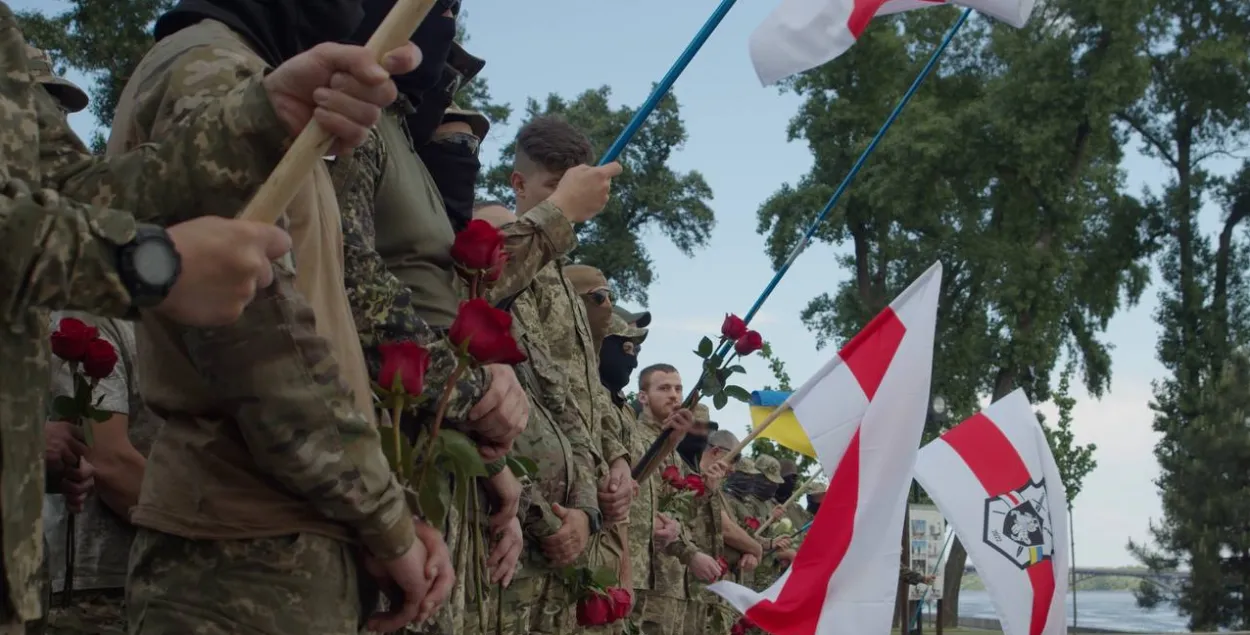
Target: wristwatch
[
  {"x": 149, "y": 266},
  {"x": 596, "y": 520}
]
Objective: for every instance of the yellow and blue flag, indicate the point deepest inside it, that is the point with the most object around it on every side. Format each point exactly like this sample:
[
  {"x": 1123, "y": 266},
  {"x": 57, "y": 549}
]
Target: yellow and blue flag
[{"x": 786, "y": 430}]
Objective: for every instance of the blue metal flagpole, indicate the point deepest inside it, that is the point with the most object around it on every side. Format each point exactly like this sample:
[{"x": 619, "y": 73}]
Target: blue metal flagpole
[
  {"x": 666, "y": 84},
  {"x": 654, "y": 450}
]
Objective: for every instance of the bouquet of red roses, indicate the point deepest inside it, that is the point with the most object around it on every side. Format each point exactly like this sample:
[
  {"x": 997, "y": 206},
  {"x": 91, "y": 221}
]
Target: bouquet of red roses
[
  {"x": 679, "y": 492},
  {"x": 90, "y": 359},
  {"x": 599, "y": 600}
]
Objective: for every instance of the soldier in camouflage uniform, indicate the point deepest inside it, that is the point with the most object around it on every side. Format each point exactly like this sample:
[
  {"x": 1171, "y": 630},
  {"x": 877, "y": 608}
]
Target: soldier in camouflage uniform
[
  {"x": 59, "y": 253},
  {"x": 268, "y": 475},
  {"x": 767, "y": 482},
  {"x": 706, "y": 612}
]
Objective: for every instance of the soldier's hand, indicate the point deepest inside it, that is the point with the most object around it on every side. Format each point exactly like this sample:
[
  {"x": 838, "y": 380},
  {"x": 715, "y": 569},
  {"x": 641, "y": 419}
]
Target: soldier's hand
[
  {"x": 680, "y": 421},
  {"x": 929, "y": 579},
  {"x": 342, "y": 87},
  {"x": 778, "y": 512},
  {"x": 63, "y": 444},
  {"x": 563, "y": 547},
  {"x": 787, "y": 556},
  {"x": 583, "y": 191},
  {"x": 705, "y": 567},
  {"x": 748, "y": 562},
  {"x": 408, "y": 573},
  {"x": 502, "y": 413},
  {"x": 507, "y": 492},
  {"x": 715, "y": 472},
  {"x": 224, "y": 262},
  {"x": 666, "y": 530},
  {"x": 438, "y": 569},
  {"x": 616, "y": 491},
  {"x": 781, "y": 544},
  {"x": 506, "y": 552},
  {"x": 77, "y": 483}
]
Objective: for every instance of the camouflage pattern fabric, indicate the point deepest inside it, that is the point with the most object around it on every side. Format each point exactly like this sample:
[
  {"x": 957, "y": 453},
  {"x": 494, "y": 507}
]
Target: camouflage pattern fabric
[
  {"x": 706, "y": 611},
  {"x": 59, "y": 254},
  {"x": 300, "y": 583},
  {"x": 92, "y": 613},
  {"x": 668, "y": 566},
  {"x": 642, "y": 509},
  {"x": 539, "y": 237},
  {"x": 659, "y": 614}
]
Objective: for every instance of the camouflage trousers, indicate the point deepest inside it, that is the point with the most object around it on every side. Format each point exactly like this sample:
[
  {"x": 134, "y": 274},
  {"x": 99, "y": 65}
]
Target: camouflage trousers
[
  {"x": 708, "y": 618},
  {"x": 659, "y": 615},
  {"x": 94, "y": 612},
  {"x": 299, "y": 583}
]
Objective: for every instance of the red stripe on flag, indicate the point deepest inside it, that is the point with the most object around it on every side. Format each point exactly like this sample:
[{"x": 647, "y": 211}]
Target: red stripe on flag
[
  {"x": 861, "y": 15},
  {"x": 870, "y": 352},
  {"x": 799, "y": 605},
  {"x": 997, "y": 465}
]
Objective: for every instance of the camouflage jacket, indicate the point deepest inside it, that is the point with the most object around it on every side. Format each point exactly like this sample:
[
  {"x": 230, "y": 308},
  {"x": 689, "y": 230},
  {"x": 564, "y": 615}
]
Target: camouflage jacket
[
  {"x": 708, "y": 536},
  {"x": 741, "y": 508},
  {"x": 268, "y": 422},
  {"x": 381, "y": 304},
  {"x": 60, "y": 254},
  {"x": 667, "y": 567}
]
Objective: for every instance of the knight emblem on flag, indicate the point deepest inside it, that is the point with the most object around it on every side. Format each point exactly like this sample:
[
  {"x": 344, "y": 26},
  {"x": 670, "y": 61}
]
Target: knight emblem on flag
[{"x": 1017, "y": 525}]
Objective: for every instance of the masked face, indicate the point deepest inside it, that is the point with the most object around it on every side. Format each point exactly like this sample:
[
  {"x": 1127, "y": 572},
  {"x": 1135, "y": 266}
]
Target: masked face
[
  {"x": 785, "y": 490},
  {"x": 764, "y": 488},
  {"x": 617, "y": 362},
  {"x": 692, "y": 447},
  {"x": 813, "y": 502}
]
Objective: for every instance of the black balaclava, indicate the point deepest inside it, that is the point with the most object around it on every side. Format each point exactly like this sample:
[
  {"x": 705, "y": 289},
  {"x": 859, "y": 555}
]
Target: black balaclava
[
  {"x": 739, "y": 484},
  {"x": 764, "y": 489},
  {"x": 691, "y": 448},
  {"x": 812, "y": 506},
  {"x": 615, "y": 365},
  {"x": 277, "y": 29},
  {"x": 786, "y": 489},
  {"x": 433, "y": 37}
]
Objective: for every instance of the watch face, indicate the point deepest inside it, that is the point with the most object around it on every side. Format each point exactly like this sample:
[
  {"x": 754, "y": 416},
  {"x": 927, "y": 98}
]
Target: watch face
[{"x": 155, "y": 263}]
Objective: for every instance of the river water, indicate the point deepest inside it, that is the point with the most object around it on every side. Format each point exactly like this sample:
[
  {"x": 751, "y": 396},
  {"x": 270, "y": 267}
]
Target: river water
[{"x": 1112, "y": 610}]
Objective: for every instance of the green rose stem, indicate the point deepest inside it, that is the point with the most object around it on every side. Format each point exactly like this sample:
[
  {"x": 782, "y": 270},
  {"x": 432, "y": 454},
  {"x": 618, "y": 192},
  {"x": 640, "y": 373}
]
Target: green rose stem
[
  {"x": 439, "y": 413},
  {"x": 397, "y": 411},
  {"x": 474, "y": 284}
]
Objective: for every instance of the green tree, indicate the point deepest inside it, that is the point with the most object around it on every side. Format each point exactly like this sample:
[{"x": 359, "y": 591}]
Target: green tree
[
  {"x": 1004, "y": 168},
  {"x": 1198, "y": 108},
  {"x": 1075, "y": 461},
  {"x": 647, "y": 195},
  {"x": 806, "y": 464}
]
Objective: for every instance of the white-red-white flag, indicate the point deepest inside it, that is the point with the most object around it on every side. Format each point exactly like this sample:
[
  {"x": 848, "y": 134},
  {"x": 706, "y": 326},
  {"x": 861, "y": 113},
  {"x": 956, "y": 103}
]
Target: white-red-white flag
[
  {"x": 802, "y": 34},
  {"x": 864, "y": 413},
  {"x": 995, "y": 480}
]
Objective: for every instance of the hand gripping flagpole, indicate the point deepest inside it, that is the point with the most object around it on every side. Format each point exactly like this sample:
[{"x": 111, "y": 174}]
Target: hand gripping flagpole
[{"x": 651, "y": 459}]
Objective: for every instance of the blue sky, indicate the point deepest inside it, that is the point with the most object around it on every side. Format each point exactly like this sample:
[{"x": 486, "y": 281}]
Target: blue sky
[{"x": 737, "y": 139}]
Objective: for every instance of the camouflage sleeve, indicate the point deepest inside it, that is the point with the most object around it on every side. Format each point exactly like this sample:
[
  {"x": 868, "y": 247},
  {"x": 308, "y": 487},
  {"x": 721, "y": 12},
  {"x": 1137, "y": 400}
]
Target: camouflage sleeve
[
  {"x": 613, "y": 431},
  {"x": 219, "y": 142},
  {"x": 683, "y": 548},
  {"x": 542, "y": 235},
  {"x": 537, "y": 518},
  {"x": 908, "y": 576},
  {"x": 58, "y": 254},
  {"x": 381, "y": 304},
  {"x": 298, "y": 419}
]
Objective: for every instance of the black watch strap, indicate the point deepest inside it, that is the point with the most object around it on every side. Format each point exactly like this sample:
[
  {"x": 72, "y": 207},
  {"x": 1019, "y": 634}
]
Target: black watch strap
[{"x": 148, "y": 265}]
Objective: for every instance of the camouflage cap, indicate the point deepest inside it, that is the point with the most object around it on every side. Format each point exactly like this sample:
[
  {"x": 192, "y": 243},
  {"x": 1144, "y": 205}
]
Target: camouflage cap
[
  {"x": 621, "y": 328},
  {"x": 585, "y": 278},
  {"x": 641, "y": 320},
  {"x": 476, "y": 120},
  {"x": 817, "y": 489},
  {"x": 72, "y": 97},
  {"x": 724, "y": 440},
  {"x": 789, "y": 468},
  {"x": 746, "y": 465},
  {"x": 770, "y": 467},
  {"x": 701, "y": 413}
]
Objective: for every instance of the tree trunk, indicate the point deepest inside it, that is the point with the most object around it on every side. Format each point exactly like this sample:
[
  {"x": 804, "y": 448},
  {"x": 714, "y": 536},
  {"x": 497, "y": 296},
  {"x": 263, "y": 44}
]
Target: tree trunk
[{"x": 901, "y": 594}]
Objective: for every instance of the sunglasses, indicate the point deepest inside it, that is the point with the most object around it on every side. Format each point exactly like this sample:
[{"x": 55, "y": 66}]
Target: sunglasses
[{"x": 600, "y": 297}]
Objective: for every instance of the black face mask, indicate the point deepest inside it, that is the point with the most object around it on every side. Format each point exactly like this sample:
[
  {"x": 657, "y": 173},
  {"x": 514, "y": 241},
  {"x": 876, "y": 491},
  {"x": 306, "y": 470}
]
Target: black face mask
[
  {"x": 433, "y": 37},
  {"x": 812, "y": 506},
  {"x": 615, "y": 365},
  {"x": 276, "y": 29},
  {"x": 738, "y": 484},
  {"x": 454, "y": 169},
  {"x": 786, "y": 489},
  {"x": 764, "y": 488},
  {"x": 691, "y": 448}
]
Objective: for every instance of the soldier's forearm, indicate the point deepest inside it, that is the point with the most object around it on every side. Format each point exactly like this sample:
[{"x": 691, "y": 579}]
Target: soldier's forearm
[
  {"x": 216, "y": 155},
  {"x": 537, "y": 238},
  {"x": 60, "y": 254},
  {"x": 299, "y": 419},
  {"x": 738, "y": 538}
]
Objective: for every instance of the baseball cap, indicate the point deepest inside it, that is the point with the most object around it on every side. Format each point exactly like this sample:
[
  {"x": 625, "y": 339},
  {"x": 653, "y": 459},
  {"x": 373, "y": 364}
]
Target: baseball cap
[
  {"x": 724, "y": 440},
  {"x": 817, "y": 489},
  {"x": 641, "y": 320},
  {"x": 770, "y": 468},
  {"x": 701, "y": 413},
  {"x": 789, "y": 468},
  {"x": 746, "y": 465},
  {"x": 619, "y": 327},
  {"x": 476, "y": 120},
  {"x": 72, "y": 97}
]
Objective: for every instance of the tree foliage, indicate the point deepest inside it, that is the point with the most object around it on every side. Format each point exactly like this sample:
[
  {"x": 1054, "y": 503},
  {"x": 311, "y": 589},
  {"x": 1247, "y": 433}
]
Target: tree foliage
[
  {"x": 1005, "y": 167},
  {"x": 1075, "y": 461},
  {"x": 647, "y": 195}
]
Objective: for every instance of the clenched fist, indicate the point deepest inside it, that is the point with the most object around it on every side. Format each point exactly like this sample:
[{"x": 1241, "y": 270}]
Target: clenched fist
[{"x": 583, "y": 191}]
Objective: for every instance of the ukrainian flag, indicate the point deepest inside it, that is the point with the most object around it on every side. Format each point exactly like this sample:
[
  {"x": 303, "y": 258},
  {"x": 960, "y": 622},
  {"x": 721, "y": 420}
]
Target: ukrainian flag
[{"x": 786, "y": 430}]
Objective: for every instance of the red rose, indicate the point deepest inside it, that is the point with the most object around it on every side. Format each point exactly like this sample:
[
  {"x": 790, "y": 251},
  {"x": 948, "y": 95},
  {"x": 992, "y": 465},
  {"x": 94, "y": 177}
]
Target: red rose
[
  {"x": 694, "y": 483},
  {"x": 70, "y": 340},
  {"x": 672, "y": 476},
  {"x": 724, "y": 564},
  {"x": 406, "y": 361},
  {"x": 496, "y": 272},
  {"x": 485, "y": 333},
  {"x": 100, "y": 359},
  {"x": 594, "y": 610},
  {"x": 478, "y": 247},
  {"x": 742, "y": 626},
  {"x": 622, "y": 603},
  {"x": 752, "y": 523},
  {"x": 733, "y": 328},
  {"x": 749, "y": 343}
]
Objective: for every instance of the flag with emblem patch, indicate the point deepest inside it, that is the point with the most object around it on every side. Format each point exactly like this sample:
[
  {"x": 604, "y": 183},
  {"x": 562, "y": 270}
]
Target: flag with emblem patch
[
  {"x": 802, "y": 34},
  {"x": 995, "y": 480},
  {"x": 863, "y": 413}
]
